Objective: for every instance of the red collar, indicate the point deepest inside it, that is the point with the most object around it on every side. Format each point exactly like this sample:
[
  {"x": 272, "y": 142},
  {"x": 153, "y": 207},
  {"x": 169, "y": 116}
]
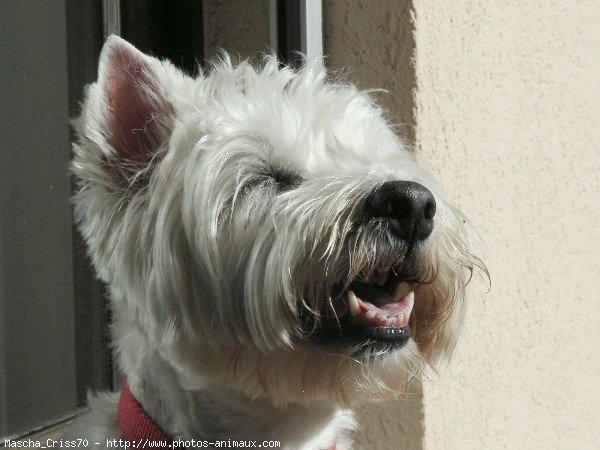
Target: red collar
[{"x": 136, "y": 426}]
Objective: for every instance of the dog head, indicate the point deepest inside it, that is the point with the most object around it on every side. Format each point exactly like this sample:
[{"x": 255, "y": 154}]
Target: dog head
[{"x": 264, "y": 229}]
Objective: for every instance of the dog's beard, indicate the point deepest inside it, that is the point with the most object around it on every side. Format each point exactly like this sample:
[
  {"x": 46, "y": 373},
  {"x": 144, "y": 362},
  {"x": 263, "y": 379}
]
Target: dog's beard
[{"x": 304, "y": 374}]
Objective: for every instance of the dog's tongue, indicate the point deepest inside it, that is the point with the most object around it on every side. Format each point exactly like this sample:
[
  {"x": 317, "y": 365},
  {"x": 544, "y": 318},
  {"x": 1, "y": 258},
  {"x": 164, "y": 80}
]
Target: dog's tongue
[{"x": 381, "y": 311}]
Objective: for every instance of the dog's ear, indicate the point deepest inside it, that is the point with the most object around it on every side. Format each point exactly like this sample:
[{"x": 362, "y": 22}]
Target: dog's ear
[{"x": 136, "y": 116}]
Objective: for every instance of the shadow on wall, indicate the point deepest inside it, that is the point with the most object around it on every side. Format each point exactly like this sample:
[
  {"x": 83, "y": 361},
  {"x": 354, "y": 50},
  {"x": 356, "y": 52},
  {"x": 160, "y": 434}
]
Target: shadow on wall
[
  {"x": 395, "y": 424},
  {"x": 240, "y": 27},
  {"x": 368, "y": 44}
]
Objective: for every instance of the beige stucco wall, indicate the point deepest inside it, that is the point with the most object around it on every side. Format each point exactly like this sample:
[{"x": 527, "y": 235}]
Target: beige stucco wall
[
  {"x": 506, "y": 101},
  {"x": 507, "y": 110}
]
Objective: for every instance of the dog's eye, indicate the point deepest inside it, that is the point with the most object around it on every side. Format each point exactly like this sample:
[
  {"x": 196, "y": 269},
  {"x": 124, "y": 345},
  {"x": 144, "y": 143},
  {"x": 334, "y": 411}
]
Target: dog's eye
[
  {"x": 280, "y": 179},
  {"x": 284, "y": 180}
]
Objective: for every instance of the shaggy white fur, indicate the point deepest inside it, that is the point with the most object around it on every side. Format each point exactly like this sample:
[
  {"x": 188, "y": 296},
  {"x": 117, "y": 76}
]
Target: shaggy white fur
[{"x": 222, "y": 212}]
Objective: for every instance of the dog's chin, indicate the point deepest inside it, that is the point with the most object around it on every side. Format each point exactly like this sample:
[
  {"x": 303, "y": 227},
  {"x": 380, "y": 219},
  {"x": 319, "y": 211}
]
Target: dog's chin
[{"x": 316, "y": 373}]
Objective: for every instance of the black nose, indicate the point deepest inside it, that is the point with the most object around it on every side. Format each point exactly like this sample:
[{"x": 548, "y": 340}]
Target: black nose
[{"x": 409, "y": 206}]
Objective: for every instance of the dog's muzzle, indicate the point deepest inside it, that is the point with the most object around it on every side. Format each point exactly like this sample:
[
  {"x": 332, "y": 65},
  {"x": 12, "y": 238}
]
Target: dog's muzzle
[{"x": 377, "y": 310}]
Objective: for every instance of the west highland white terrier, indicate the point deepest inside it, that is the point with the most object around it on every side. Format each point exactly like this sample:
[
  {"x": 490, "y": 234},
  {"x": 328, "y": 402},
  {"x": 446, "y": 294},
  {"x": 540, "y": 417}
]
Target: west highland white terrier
[{"x": 274, "y": 253}]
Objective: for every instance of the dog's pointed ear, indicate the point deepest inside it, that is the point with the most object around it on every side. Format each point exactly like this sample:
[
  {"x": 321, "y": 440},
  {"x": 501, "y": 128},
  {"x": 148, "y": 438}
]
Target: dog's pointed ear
[{"x": 137, "y": 116}]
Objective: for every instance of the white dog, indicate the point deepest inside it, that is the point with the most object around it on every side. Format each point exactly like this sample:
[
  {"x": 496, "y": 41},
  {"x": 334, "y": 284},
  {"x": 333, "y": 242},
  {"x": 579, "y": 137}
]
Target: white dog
[{"x": 275, "y": 255}]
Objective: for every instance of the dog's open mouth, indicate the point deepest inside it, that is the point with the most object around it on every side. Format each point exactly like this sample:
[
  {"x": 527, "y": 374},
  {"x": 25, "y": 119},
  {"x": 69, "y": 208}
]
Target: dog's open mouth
[
  {"x": 369, "y": 314},
  {"x": 384, "y": 316}
]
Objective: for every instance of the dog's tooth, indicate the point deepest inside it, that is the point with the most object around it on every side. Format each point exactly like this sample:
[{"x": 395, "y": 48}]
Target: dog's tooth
[
  {"x": 411, "y": 296},
  {"x": 401, "y": 291},
  {"x": 370, "y": 314},
  {"x": 353, "y": 304}
]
